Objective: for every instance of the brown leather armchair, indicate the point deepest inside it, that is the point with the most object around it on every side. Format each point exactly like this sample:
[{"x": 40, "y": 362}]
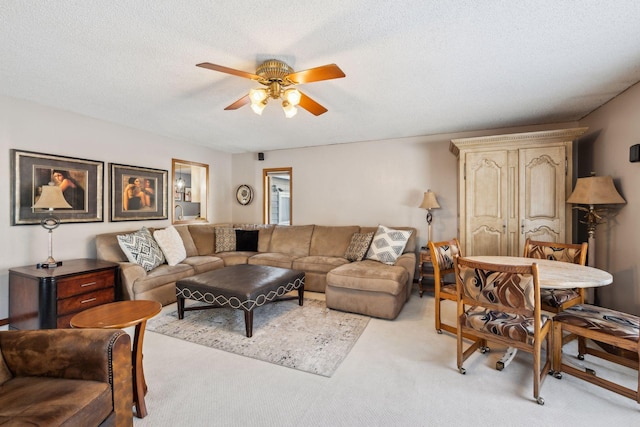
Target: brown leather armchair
[{"x": 66, "y": 377}]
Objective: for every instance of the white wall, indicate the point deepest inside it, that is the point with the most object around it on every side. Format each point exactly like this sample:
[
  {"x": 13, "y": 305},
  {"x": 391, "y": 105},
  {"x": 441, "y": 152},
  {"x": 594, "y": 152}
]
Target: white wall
[
  {"x": 618, "y": 124},
  {"x": 31, "y": 127}
]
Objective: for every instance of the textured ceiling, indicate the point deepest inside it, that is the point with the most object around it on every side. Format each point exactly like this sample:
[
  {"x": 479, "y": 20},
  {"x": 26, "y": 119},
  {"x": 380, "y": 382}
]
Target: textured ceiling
[{"x": 412, "y": 67}]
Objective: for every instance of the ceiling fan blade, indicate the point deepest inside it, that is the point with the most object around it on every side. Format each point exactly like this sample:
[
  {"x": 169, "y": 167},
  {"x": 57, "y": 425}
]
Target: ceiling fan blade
[
  {"x": 228, "y": 70},
  {"x": 239, "y": 103},
  {"x": 310, "y": 105},
  {"x": 326, "y": 72}
]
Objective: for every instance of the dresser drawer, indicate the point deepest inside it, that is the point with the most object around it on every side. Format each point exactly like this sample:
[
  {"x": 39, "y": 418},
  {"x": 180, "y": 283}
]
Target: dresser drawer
[
  {"x": 84, "y": 283},
  {"x": 84, "y": 301}
]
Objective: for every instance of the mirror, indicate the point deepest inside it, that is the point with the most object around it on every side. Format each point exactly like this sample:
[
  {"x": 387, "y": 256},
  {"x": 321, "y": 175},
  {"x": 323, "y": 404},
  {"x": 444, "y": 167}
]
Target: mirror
[{"x": 190, "y": 191}]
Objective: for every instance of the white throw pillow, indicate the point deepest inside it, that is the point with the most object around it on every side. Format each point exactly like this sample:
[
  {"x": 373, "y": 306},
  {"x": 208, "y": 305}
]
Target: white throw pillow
[
  {"x": 388, "y": 245},
  {"x": 141, "y": 248},
  {"x": 171, "y": 244}
]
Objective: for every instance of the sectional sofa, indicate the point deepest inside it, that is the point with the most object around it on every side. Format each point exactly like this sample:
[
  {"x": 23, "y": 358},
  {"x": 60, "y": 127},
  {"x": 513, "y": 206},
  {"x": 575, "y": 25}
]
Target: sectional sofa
[{"x": 366, "y": 286}]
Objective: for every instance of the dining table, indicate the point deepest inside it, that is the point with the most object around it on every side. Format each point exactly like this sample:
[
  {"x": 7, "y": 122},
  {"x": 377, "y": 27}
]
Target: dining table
[{"x": 551, "y": 275}]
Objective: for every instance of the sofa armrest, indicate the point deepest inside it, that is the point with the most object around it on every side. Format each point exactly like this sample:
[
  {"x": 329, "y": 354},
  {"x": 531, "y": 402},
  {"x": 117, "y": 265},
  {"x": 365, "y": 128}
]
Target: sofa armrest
[
  {"x": 129, "y": 273},
  {"x": 408, "y": 261}
]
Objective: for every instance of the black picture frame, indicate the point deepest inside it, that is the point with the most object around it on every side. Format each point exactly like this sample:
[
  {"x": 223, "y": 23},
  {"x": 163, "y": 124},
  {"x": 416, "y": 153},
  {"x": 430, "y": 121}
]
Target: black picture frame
[
  {"x": 82, "y": 178},
  {"x": 137, "y": 201}
]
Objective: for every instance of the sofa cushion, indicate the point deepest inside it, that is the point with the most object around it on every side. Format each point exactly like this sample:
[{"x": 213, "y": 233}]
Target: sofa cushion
[
  {"x": 54, "y": 401},
  {"x": 225, "y": 239},
  {"x": 189, "y": 245},
  {"x": 318, "y": 264},
  {"x": 5, "y": 373},
  {"x": 247, "y": 240},
  {"x": 331, "y": 240},
  {"x": 369, "y": 276},
  {"x": 204, "y": 263},
  {"x": 171, "y": 244},
  {"x": 358, "y": 246},
  {"x": 141, "y": 248},
  {"x": 161, "y": 275},
  {"x": 272, "y": 259},
  {"x": 203, "y": 236},
  {"x": 235, "y": 257},
  {"x": 291, "y": 240},
  {"x": 388, "y": 244}
]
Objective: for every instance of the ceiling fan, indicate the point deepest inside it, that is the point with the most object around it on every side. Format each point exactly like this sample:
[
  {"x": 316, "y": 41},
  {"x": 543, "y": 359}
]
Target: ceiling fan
[{"x": 279, "y": 80}]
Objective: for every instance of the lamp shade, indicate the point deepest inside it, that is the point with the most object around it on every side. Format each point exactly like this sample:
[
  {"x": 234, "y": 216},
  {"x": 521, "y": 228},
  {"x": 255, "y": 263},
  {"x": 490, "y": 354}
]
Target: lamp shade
[
  {"x": 429, "y": 201},
  {"x": 51, "y": 198},
  {"x": 595, "y": 190}
]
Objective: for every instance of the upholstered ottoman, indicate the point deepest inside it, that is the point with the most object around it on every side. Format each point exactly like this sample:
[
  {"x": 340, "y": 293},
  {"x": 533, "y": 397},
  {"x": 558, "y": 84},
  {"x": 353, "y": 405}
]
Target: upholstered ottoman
[
  {"x": 367, "y": 287},
  {"x": 241, "y": 286}
]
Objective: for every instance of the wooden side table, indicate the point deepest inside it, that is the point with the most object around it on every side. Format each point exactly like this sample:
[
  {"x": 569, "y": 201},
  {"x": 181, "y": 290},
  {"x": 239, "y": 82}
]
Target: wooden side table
[
  {"x": 426, "y": 269},
  {"x": 119, "y": 315},
  {"x": 47, "y": 298}
]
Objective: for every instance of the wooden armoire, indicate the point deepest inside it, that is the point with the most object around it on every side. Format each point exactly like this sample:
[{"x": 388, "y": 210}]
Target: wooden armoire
[{"x": 513, "y": 187}]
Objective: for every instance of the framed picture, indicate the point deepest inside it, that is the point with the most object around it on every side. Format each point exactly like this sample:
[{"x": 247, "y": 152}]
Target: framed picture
[
  {"x": 137, "y": 193},
  {"x": 187, "y": 194},
  {"x": 177, "y": 194},
  {"x": 81, "y": 182}
]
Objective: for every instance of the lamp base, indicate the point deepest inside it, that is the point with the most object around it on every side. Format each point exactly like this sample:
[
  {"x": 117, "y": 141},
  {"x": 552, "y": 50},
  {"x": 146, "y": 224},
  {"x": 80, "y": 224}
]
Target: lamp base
[{"x": 49, "y": 264}]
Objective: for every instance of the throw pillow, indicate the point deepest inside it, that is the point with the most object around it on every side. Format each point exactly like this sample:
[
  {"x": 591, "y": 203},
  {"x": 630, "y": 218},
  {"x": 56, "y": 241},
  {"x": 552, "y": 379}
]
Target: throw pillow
[
  {"x": 388, "y": 244},
  {"x": 225, "y": 239},
  {"x": 141, "y": 248},
  {"x": 358, "y": 246},
  {"x": 247, "y": 240},
  {"x": 171, "y": 244}
]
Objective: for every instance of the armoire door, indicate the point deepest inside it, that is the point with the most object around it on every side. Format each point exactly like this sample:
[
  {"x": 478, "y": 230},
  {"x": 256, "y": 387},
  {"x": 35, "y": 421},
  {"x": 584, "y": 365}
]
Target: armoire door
[{"x": 542, "y": 187}]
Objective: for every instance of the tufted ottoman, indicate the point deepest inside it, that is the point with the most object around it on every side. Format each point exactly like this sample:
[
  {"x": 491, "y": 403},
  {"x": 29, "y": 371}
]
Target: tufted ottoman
[
  {"x": 241, "y": 286},
  {"x": 368, "y": 287}
]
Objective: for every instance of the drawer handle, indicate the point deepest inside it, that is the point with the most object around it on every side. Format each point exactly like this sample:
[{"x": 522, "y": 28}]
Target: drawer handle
[
  {"x": 87, "y": 300},
  {"x": 87, "y": 284}
]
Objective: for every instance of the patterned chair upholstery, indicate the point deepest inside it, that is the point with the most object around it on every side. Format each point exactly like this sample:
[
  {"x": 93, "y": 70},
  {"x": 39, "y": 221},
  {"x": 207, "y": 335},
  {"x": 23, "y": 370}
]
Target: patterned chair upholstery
[
  {"x": 504, "y": 307},
  {"x": 443, "y": 256},
  {"x": 607, "y": 326},
  {"x": 556, "y": 300}
]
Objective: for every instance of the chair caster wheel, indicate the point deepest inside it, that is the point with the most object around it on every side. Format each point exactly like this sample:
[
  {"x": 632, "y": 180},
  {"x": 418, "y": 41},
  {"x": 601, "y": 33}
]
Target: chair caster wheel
[
  {"x": 462, "y": 371},
  {"x": 581, "y": 357},
  {"x": 499, "y": 365},
  {"x": 558, "y": 375},
  {"x": 540, "y": 401},
  {"x": 439, "y": 331}
]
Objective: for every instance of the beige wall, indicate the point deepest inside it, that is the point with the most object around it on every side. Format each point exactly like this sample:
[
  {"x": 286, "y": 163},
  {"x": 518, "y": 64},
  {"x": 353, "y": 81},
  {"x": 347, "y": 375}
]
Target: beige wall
[
  {"x": 28, "y": 126},
  {"x": 617, "y": 125}
]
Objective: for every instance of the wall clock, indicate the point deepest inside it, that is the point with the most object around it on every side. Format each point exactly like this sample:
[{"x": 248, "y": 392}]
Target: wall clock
[{"x": 244, "y": 194}]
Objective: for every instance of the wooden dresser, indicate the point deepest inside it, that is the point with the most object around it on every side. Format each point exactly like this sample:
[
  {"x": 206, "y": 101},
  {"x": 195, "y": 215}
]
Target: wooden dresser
[{"x": 41, "y": 298}]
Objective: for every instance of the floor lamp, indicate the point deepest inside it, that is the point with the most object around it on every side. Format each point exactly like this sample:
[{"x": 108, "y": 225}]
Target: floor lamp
[
  {"x": 592, "y": 191},
  {"x": 51, "y": 198},
  {"x": 429, "y": 202}
]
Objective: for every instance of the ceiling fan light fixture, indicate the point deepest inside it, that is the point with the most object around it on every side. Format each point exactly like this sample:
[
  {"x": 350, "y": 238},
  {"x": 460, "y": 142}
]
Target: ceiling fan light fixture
[
  {"x": 257, "y": 95},
  {"x": 258, "y": 107},
  {"x": 293, "y": 96},
  {"x": 290, "y": 110}
]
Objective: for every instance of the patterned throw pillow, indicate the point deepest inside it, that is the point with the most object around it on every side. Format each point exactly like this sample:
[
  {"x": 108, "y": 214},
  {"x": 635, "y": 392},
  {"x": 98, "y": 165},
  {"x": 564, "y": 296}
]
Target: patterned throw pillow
[
  {"x": 358, "y": 246},
  {"x": 141, "y": 248},
  {"x": 171, "y": 244},
  {"x": 225, "y": 239},
  {"x": 388, "y": 245}
]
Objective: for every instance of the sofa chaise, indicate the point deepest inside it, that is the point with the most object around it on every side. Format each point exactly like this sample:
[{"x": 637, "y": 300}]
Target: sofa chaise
[{"x": 364, "y": 286}]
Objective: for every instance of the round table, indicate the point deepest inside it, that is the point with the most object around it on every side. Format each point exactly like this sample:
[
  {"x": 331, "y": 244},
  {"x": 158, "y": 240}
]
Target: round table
[
  {"x": 119, "y": 315},
  {"x": 555, "y": 274}
]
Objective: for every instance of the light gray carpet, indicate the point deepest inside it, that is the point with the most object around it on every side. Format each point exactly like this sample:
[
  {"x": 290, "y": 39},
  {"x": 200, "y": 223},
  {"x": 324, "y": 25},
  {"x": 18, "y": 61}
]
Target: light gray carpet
[{"x": 309, "y": 338}]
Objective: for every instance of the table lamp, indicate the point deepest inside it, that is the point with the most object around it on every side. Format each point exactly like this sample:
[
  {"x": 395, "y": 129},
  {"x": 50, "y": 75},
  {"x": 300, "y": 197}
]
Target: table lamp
[
  {"x": 591, "y": 191},
  {"x": 429, "y": 202},
  {"x": 51, "y": 198}
]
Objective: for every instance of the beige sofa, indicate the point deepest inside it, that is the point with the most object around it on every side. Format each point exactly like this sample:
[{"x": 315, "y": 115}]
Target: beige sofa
[{"x": 367, "y": 287}]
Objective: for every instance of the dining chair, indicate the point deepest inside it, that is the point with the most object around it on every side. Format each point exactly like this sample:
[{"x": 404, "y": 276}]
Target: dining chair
[
  {"x": 503, "y": 306},
  {"x": 443, "y": 255},
  {"x": 556, "y": 300}
]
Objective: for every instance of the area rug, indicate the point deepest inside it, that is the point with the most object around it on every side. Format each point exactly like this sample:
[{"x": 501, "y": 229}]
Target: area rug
[{"x": 310, "y": 338}]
